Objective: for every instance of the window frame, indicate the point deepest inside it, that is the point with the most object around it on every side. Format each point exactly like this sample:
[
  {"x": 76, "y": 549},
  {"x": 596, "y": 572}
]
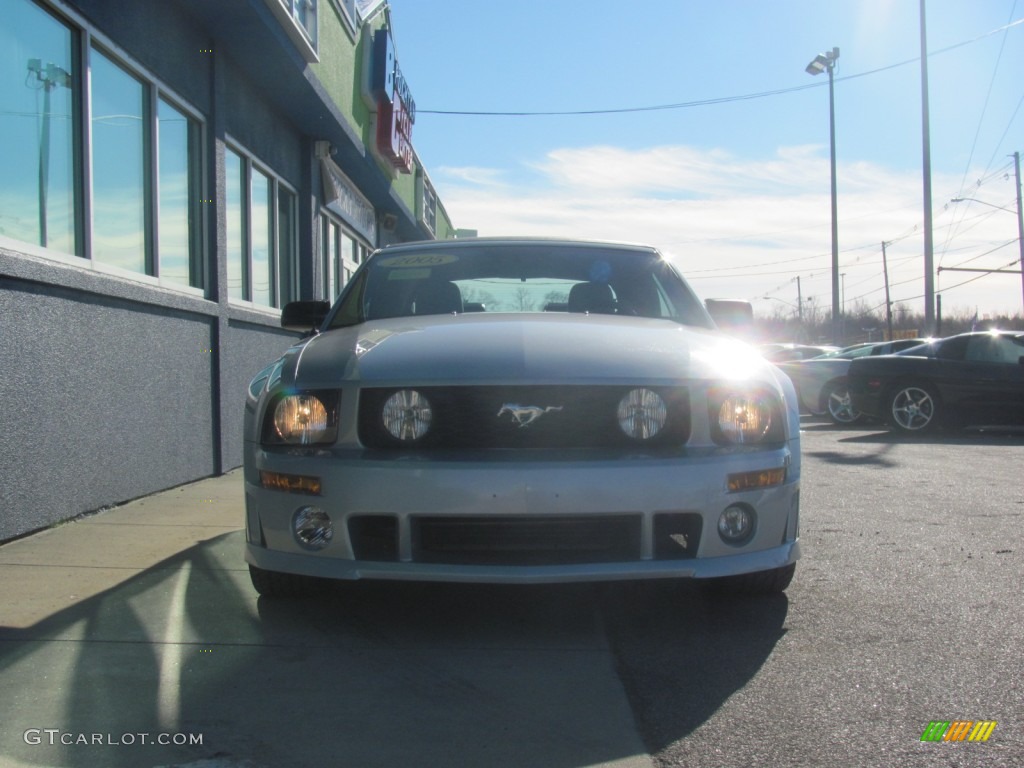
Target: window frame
[{"x": 333, "y": 263}]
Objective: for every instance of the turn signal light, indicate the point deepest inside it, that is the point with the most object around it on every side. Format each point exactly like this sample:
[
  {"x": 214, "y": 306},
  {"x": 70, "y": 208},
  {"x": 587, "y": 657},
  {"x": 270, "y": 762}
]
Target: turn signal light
[
  {"x": 762, "y": 478},
  {"x": 278, "y": 481}
]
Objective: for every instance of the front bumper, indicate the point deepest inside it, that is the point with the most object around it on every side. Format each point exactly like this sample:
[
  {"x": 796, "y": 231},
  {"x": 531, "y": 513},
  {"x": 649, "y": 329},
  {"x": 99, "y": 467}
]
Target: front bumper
[{"x": 638, "y": 490}]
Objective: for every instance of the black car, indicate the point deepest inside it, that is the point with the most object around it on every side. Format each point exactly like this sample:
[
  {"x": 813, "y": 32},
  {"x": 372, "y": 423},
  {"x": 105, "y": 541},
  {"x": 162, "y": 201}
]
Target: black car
[
  {"x": 974, "y": 379},
  {"x": 821, "y": 381}
]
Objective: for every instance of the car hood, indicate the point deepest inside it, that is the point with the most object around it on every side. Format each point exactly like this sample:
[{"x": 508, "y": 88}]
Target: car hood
[{"x": 522, "y": 348}]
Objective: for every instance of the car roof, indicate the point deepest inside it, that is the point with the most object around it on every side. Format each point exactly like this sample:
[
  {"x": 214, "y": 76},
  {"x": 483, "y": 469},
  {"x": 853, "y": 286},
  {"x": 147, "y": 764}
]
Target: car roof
[{"x": 467, "y": 242}]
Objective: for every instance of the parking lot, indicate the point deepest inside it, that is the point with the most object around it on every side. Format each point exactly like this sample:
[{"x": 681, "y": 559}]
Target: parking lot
[{"x": 905, "y": 609}]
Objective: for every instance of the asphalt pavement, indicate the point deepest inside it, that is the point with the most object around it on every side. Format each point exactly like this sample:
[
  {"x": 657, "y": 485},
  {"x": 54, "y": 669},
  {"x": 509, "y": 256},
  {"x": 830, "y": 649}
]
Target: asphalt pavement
[{"x": 139, "y": 625}]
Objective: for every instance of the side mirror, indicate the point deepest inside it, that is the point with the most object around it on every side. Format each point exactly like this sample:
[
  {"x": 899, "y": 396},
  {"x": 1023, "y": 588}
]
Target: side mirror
[
  {"x": 304, "y": 316},
  {"x": 731, "y": 315}
]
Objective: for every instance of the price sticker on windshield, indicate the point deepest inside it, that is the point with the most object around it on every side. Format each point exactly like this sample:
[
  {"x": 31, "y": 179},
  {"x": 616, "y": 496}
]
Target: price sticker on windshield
[{"x": 418, "y": 260}]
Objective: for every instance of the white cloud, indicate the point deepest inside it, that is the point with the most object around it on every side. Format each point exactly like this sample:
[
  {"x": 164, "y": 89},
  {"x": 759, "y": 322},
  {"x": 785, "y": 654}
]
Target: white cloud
[{"x": 738, "y": 226}]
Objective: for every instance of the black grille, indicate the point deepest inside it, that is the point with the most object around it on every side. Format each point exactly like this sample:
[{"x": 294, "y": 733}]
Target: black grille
[
  {"x": 558, "y": 417},
  {"x": 374, "y": 537},
  {"x": 526, "y": 540}
]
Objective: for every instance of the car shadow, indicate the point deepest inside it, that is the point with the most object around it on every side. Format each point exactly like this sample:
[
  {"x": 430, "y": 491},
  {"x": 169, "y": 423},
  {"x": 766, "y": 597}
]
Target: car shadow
[
  {"x": 683, "y": 650},
  {"x": 1008, "y": 436},
  {"x": 373, "y": 673}
]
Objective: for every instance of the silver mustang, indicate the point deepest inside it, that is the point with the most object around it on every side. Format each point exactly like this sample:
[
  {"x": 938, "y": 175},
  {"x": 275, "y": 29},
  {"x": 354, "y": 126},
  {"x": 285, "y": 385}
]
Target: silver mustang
[{"x": 519, "y": 411}]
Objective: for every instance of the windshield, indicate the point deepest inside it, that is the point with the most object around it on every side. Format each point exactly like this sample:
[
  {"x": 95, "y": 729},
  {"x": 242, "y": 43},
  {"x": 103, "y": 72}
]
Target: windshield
[{"x": 517, "y": 278}]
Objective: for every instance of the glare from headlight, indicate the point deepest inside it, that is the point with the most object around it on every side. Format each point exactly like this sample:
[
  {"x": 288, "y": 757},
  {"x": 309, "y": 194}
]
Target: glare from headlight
[
  {"x": 300, "y": 419},
  {"x": 312, "y": 528},
  {"x": 407, "y": 415},
  {"x": 642, "y": 414},
  {"x": 744, "y": 419},
  {"x": 736, "y": 524}
]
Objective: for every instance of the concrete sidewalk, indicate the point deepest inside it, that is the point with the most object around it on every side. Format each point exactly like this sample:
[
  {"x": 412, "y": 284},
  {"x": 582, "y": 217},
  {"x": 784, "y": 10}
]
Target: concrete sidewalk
[{"x": 133, "y": 638}]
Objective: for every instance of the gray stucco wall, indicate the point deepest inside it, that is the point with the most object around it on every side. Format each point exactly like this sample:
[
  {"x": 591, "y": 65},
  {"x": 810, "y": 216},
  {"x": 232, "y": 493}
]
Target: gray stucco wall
[{"x": 106, "y": 401}]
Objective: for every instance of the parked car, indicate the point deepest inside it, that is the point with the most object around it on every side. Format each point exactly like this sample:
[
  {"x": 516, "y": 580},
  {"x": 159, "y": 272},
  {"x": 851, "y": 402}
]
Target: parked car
[
  {"x": 973, "y": 379},
  {"x": 781, "y": 353},
  {"x": 821, "y": 381},
  {"x": 519, "y": 411}
]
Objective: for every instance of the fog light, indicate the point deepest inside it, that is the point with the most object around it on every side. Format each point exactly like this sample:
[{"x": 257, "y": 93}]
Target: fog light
[
  {"x": 736, "y": 524},
  {"x": 407, "y": 415},
  {"x": 312, "y": 528},
  {"x": 642, "y": 413}
]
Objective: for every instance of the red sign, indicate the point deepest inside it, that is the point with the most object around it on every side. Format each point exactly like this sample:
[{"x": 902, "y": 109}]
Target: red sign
[{"x": 394, "y": 134}]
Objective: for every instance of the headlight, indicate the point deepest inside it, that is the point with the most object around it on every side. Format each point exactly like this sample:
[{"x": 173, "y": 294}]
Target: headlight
[
  {"x": 407, "y": 415},
  {"x": 746, "y": 417},
  {"x": 306, "y": 418},
  {"x": 642, "y": 414}
]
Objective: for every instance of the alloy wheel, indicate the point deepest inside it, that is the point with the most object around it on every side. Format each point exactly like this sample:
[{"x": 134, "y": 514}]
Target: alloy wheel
[{"x": 913, "y": 409}]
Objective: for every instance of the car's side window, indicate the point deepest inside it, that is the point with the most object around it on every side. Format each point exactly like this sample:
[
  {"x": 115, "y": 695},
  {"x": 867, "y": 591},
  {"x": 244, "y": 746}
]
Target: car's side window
[
  {"x": 993, "y": 349},
  {"x": 1007, "y": 349},
  {"x": 954, "y": 348}
]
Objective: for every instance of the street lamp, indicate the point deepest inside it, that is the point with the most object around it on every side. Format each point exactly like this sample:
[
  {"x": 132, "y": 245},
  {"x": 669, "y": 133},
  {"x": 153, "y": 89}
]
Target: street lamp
[{"x": 826, "y": 62}]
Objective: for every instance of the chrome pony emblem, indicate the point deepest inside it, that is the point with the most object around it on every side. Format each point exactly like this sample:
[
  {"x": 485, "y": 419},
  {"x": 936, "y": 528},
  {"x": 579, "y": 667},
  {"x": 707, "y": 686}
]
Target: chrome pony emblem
[{"x": 525, "y": 415}]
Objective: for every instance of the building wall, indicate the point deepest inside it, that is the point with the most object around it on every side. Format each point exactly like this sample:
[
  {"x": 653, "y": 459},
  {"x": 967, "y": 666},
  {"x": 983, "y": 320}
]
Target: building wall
[{"x": 117, "y": 385}]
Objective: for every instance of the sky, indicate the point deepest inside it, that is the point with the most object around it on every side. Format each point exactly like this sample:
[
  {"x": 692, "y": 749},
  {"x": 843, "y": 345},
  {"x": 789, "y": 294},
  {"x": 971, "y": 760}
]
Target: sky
[{"x": 729, "y": 174}]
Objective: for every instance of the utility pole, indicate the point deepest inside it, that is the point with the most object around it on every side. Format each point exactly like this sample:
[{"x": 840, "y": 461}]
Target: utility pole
[
  {"x": 799, "y": 303},
  {"x": 50, "y": 76},
  {"x": 888, "y": 302},
  {"x": 929, "y": 248},
  {"x": 1020, "y": 222}
]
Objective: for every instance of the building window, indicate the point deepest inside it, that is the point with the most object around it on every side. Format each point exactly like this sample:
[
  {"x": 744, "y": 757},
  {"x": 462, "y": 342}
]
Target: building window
[
  {"x": 287, "y": 245},
  {"x": 347, "y": 10},
  {"x": 237, "y": 226},
  {"x": 178, "y": 218},
  {"x": 143, "y": 154},
  {"x": 39, "y": 157},
  {"x": 343, "y": 253},
  {"x": 261, "y": 194},
  {"x": 299, "y": 20},
  {"x": 262, "y": 245},
  {"x": 426, "y": 203},
  {"x": 119, "y": 188}
]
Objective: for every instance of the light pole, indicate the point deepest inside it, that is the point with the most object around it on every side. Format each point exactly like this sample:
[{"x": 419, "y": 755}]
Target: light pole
[{"x": 826, "y": 62}]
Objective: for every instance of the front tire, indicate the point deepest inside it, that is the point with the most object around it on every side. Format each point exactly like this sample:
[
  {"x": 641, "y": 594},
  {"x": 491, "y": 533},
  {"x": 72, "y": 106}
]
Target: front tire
[
  {"x": 913, "y": 409},
  {"x": 839, "y": 406},
  {"x": 276, "y": 584}
]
